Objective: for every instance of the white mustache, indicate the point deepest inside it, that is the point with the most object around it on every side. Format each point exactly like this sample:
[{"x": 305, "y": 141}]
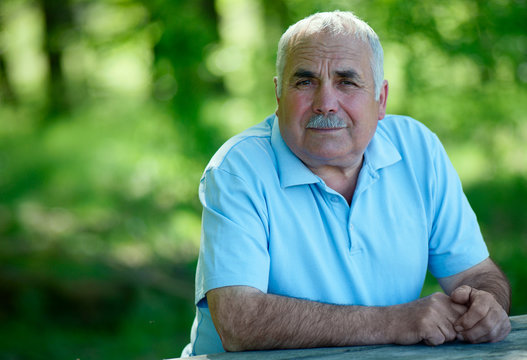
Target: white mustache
[{"x": 331, "y": 121}]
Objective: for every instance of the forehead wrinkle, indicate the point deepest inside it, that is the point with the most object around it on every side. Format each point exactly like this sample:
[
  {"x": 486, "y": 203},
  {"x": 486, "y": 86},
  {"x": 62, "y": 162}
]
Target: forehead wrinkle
[
  {"x": 327, "y": 43},
  {"x": 307, "y": 52},
  {"x": 309, "y": 65},
  {"x": 333, "y": 52}
]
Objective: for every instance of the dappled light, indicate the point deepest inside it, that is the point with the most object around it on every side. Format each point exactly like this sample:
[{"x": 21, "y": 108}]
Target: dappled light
[{"x": 110, "y": 110}]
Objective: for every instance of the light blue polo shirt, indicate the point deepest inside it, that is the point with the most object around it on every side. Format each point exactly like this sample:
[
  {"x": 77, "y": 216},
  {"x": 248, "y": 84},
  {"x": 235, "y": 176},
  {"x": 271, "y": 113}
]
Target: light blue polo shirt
[{"x": 270, "y": 223}]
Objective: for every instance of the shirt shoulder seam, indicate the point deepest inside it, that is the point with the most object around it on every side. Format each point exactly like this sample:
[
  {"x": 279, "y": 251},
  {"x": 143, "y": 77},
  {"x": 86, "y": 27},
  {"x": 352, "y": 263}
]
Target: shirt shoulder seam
[{"x": 239, "y": 142}]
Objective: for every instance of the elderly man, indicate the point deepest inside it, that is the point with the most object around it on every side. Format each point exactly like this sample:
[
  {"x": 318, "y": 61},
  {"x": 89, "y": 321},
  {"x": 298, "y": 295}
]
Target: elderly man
[{"x": 319, "y": 223}]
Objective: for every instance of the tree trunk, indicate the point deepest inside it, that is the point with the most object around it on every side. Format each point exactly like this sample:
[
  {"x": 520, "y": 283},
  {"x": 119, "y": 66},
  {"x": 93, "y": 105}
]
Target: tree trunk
[{"x": 58, "y": 19}]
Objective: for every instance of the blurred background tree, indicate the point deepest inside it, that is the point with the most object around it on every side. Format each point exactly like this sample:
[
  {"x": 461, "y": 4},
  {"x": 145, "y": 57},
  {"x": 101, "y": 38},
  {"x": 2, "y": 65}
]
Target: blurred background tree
[{"x": 110, "y": 109}]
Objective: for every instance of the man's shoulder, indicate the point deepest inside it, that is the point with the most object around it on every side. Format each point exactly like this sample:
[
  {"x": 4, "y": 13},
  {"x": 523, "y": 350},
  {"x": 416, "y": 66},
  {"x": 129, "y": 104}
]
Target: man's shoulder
[
  {"x": 402, "y": 123},
  {"x": 251, "y": 146},
  {"x": 404, "y": 131}
]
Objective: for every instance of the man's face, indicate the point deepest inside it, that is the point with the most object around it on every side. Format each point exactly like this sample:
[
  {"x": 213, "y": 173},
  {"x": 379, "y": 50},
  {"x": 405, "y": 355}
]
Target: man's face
[{"x": 328, "y": 75}]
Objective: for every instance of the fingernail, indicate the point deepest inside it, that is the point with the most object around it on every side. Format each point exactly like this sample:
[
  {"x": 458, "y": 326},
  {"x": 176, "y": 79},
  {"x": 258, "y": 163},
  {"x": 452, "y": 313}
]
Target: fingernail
[{"x": 460, "y": 337}]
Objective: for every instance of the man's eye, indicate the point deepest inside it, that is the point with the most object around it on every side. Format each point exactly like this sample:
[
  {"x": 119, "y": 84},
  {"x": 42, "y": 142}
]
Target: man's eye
[
  {"x": 303, "y": 82},
  {"x": 347, "y": 83}
]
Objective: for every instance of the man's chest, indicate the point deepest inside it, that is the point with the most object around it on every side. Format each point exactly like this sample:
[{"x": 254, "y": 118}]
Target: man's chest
[{"x": 374, "y": 252}]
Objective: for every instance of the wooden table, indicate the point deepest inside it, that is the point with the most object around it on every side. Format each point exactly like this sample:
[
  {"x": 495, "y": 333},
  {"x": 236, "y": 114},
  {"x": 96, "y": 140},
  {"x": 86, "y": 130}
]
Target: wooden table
[{"x": 514, "y": 347}]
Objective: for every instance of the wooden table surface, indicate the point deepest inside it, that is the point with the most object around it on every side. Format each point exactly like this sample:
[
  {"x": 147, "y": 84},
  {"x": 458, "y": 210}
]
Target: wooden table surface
[{"x": 514, "y": 347}]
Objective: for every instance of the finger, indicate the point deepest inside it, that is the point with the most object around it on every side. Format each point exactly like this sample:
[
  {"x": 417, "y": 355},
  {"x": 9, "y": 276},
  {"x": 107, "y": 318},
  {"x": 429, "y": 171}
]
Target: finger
[
  {"x": 490, "y": 328},
  {"x": 451, "y": 310},
  {"x": 503, "y": 331},
  {"x": 474, "y": 333},
  {"x": 437, "y": 338},
  {"x": 471, "y": 336},
  {"x": 448, "y": 332},
  {"x": 458, "y": 309},
  {"x": 453, "y": 314},
  {"x": 496, "y": 333},
  {"x": 469, "y": 320},
  {"x": 461, "y": 295},
  {"x": 493, "y": 334},
  {"x": 443, "y": 332},
  {"x": 477, "y": 311}
]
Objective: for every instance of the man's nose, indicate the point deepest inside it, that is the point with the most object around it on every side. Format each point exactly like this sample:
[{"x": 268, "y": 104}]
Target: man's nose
[{"x": 325, "y": 101}]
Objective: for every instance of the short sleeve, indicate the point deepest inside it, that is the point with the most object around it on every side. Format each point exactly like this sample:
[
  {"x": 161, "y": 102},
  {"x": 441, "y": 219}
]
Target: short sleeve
[
  {"x": 234, "y": 247},
  {"x": 455, "y": 243}
]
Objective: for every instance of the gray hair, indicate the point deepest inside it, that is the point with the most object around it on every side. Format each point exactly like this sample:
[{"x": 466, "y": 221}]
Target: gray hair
[{"x": 334, "y": 23}]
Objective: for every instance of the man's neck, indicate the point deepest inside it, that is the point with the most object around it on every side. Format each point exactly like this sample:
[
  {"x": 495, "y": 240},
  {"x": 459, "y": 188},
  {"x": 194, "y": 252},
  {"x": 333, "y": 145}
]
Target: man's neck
[{"x": 342, "y": 180}]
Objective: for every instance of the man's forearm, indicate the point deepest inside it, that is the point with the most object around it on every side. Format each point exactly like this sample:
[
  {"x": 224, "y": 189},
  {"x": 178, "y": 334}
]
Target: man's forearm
[
  {"x": 262, "y": 321},
  {"x": 249, "y": 320}
]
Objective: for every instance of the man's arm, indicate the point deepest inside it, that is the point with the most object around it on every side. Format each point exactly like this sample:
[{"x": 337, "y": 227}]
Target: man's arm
[
  {"x": 484, "y": 289},
  {"x": 247, "y": 319}
]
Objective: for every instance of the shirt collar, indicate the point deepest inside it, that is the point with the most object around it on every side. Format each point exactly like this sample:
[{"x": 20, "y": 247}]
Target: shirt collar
[
  {"x": 291, "y": 169},
  {"x": 380, "y": 153}
]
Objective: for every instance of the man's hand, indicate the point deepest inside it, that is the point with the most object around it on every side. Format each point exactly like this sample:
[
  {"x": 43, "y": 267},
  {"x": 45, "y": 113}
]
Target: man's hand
[
  {"x": 485, "y": 319},
  {"x": 485, "y": 291},
  {"x": 430, "y": 319}
]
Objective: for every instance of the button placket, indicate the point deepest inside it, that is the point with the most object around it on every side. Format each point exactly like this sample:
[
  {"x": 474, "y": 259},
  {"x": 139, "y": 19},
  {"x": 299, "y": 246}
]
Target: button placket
[{"x": 352, "y": 236}]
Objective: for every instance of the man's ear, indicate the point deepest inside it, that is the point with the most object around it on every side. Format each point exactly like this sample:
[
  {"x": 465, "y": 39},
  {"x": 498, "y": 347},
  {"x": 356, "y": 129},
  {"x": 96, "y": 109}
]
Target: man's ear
[
  {"x": 383, "y": 97},
  {"x": 275, "y": 79}
]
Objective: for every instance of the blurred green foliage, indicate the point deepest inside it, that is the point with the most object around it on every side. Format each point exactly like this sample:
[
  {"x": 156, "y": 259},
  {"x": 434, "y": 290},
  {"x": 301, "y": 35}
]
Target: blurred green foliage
[{"x": 110, "y": 109}]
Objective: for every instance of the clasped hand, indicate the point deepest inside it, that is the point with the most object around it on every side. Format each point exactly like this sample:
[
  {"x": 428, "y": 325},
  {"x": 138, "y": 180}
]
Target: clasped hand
[
  {"x": 484, "y": 320},
  {"x": 469, "y": 315}
]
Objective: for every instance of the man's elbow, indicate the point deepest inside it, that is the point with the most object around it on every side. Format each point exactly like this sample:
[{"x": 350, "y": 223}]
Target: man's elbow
[
  {"x": 233, "y": 338},
  {"x": 233, "y": 344},
  {"x": 232, "y": 310}
]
